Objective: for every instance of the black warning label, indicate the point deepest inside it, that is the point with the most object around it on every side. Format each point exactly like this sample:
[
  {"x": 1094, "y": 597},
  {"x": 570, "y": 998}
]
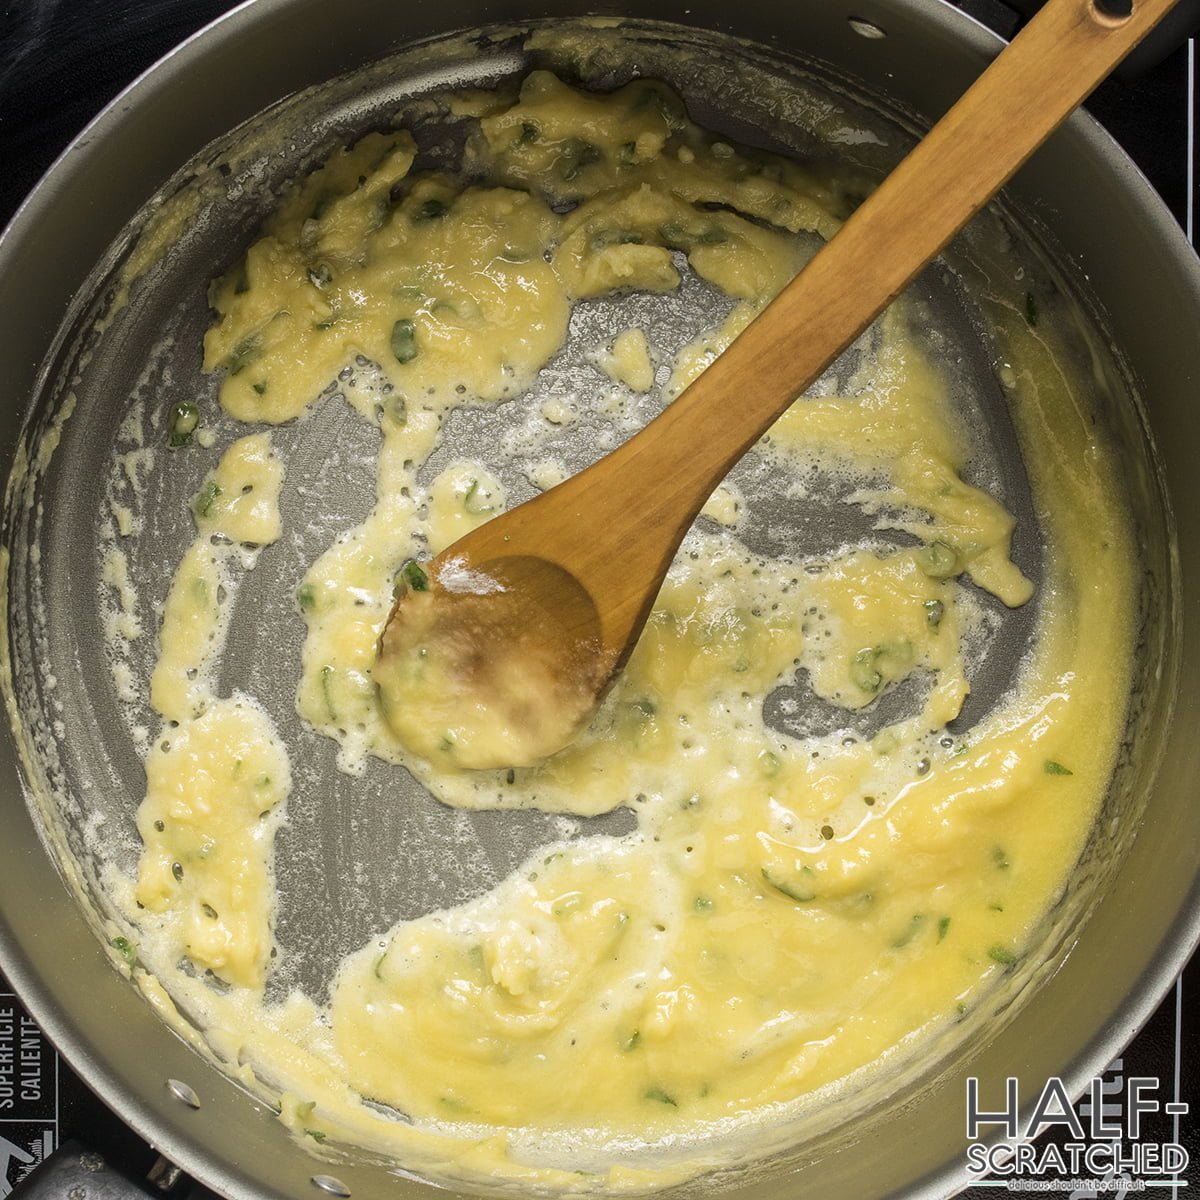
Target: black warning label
[{"x": 28, "y": 1095}]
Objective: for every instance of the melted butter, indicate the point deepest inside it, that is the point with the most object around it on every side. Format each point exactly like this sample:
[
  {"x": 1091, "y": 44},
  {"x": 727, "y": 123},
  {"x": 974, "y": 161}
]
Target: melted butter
[{"x": 790, "y": 912}]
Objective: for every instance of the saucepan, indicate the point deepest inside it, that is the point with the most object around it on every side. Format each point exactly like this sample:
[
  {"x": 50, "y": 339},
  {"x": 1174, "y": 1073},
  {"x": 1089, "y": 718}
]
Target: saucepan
[{"x": 103, "y": 278}]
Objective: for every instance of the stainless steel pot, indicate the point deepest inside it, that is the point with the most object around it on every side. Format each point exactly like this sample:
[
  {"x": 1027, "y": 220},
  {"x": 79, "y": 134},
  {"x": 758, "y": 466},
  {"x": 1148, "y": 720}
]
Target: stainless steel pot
[{"x": 1105, "y": 226}]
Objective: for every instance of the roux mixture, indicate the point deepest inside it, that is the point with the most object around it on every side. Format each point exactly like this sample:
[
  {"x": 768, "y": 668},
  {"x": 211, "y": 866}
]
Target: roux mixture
[{"x": 789, "y": 911}]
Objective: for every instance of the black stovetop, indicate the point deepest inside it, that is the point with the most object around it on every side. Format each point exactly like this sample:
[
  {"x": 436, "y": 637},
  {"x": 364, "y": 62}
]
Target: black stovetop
[{"x": 61, "y": 61}]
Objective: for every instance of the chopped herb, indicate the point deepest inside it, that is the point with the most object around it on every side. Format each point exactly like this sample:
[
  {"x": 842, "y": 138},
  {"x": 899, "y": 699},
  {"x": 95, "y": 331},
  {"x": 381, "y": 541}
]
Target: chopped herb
[
  {"x": 1031, "y": 311},
  {"x": 321, "y": 326},
  {"x": 682, "y": 236},
  {"x": 631, "y": 1041},
  {"x": 800, "y": 895},
  {"x": 414, "y": 576},
  {"x": 430, "y": 210},
  {"x": 209, "y": 911},
  {"x": 657, "y": 1093},
  {"x": 769, "y": 763},
  {"x": 474, "y": 503},
  {"x": 615, "y": 237},
  {"x": 529, "y": 133},
  {"x": 182, "y": 424},
  {"x": 574, "y": 157},
  {"x": 1002, "y": 955},
  {"x": 627, "y": 155},
  {"x": 1056, "y": 768},
  {"x": 911, "y": 930},
  {"x": 205, "y": 498},
  {"x": 1000, "y": 859},
  {"x": 306, "y": 597},
  {"x": 943, "y": 927},
  {"x": 934, "y": 611},
  {"x": 260, "y": 387},
  {"x": 315, "y": 1134},
  {"x": 863, "y": 671},
  {"x": 125, "y": 948},
  {"x": 243, "y": 354},
  {"x": 702, "y": 904},
  {"x": 404, "y": 341},
  {"x": 376, "y": 970},
  {"x": 938, "y": 560},
  {"x": 326, "y": 680},
  {"x": 320, "y": 276}
]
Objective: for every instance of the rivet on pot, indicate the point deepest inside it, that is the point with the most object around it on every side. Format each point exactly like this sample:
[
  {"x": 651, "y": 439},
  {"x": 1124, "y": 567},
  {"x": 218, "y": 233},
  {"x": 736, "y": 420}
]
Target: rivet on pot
[
  {"x": 867, "y": 29},
  {"x": 328, "y": 1183},
  {"x": 184, "y": 1092}
]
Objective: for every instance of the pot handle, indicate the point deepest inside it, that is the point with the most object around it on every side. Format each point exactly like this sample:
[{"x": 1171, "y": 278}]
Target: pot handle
[
  {"x": 76, "y": 1170},
  {"x": 1171, "y": 32}
]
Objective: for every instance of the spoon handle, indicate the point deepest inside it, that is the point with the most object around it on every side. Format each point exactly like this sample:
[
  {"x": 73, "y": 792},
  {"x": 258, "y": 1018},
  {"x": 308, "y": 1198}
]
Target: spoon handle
[
  {"x": 1018, "y": 102},
  {"x": 616, "y": 526},
  {"x": 673, "y": 465}
]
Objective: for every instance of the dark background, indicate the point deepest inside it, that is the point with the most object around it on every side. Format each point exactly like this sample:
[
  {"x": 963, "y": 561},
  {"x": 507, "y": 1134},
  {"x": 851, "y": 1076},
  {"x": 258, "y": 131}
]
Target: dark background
[{"x": 61, "y": 61}]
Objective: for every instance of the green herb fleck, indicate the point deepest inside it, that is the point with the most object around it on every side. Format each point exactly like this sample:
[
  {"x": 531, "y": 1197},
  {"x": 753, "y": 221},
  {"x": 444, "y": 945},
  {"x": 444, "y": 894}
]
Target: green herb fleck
[
  {"x": 529, "y": 133},
  {"x": 243, "y": 354},
  {"x": 260, "y": 387},
  {"x": 1000, "y": 859},
  {"x": 430, "y": 210},
  {"x": 125, "y": 948},
  {"x": 413, "y": 575},
  {"x": 657, "y": 1093},
  {"x": 474, "y": 502},
  {"x": 574, "y": 157},
  {"x": 769, "y": 764},
  {"x": 934, "y": 611},
  {"x": 792, "y": 892},
  {"x": 320, "y": 276},
  {"x": 938, "y": 560},
  {"x": 702, "y": 904},
  {"x": 306, "y": 597},
  {"x": 404, "y": 341},
  {"x": 943, "y": 927},
  {"x": 205, "y": 498},
  {"x": 614, "y": 237},
  {"x": 630, "y": 1043},
  {"x": 1002, "y": 955},
  {"x": 327, "y": 691},
  {"x": 911, "y": 930},
  {"x": 182, "y": 424},
  {"x": 1056, "y": 768},
  {"x": 315, "y": 1134},
  {"x": 864, "y": 674}
]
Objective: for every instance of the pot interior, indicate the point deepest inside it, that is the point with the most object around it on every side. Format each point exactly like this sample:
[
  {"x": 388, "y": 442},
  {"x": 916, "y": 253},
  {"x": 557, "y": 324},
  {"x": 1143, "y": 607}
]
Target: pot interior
[{"x": 94, "y": 517}]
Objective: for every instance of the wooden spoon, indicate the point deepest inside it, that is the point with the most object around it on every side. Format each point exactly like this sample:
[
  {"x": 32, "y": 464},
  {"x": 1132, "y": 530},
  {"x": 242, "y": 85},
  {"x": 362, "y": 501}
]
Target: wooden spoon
[{"x": 501, "y": 654}]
